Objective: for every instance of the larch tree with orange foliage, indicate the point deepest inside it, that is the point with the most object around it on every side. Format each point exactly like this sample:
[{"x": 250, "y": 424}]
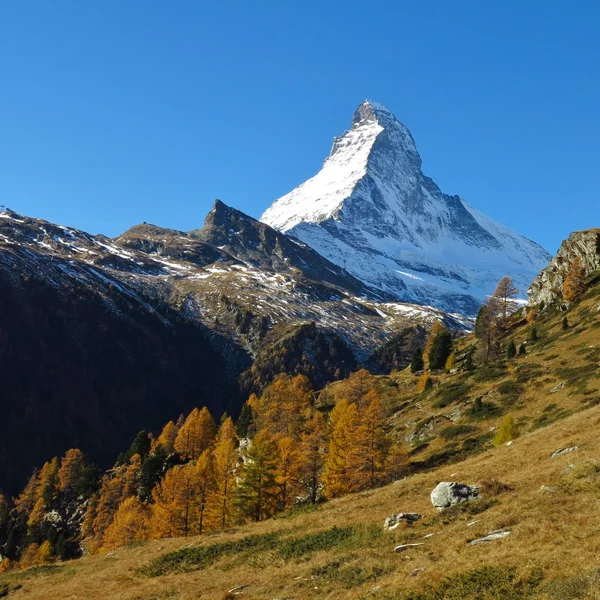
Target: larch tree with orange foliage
[
  {"x": 225, "y": 459},
  {"x": 203, "y": 487},
  {"x": 46, "y": 491},
  {"x": 574, "y": 283},
  {"x": 167, "y": 437},
  {"x": 196, "y": 434},
  {"x": 130, "y": 524},
  {"x": 336, "y": 472},
  {"x": 312, "y": 452},
  {"x": 116, "y": 487},
  {"x": 288, "y": 470},
  {"x": 72, "y": 471},
  {"x": 283, "y": 405},
  {"x": 368, "y": 446},
  {"x": 173, "y": 497}
]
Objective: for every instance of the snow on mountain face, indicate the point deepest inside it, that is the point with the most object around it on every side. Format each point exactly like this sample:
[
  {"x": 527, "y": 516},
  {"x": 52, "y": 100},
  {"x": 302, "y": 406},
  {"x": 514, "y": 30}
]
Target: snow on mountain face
[{"x": 372, "y": 211}]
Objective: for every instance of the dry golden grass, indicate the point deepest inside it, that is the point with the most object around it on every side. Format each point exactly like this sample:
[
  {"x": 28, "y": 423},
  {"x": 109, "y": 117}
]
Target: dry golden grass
[{"x": 556, "y": 530}]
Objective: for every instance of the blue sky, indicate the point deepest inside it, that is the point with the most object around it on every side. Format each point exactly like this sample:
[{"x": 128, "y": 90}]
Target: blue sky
[{"x": 122, "y": 111}]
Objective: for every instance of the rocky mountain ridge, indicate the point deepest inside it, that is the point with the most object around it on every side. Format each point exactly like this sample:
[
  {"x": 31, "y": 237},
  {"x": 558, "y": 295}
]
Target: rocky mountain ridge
[{"x": 547, "y": 287}]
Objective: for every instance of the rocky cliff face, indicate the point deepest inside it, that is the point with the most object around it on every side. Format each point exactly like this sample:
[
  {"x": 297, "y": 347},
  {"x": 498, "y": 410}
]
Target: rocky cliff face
[
  {"x": 547, "y": 287},
  {"x": 372, "y": 211}
]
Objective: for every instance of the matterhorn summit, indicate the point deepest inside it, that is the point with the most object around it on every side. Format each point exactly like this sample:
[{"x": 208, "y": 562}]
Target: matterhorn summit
[{"x": 373, "y": 212}]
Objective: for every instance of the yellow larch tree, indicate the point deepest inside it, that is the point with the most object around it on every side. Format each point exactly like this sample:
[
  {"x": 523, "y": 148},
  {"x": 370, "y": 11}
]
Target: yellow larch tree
[
  {"x": 336, "y": 472},
  {"x": 225, "y": 459},
  {"x": 116, "y": 486},
  {"x": 312, "y": 452},
  {"x": 288, "y": 470},
  {"x": 46, "y": 491},
  {"x": 196, "y": 434},
  {"x": 203, "y": 483},
  {"x": 368, "y": 445},
  {"x": 167, "y": 437},
  {"x": 173, "y": 502},
  {"x": 283, "y": 405},
  {"x": 130, "y": 524},
  {"x": 574, "y": 283},
  {"x": 72, "y": 471}
]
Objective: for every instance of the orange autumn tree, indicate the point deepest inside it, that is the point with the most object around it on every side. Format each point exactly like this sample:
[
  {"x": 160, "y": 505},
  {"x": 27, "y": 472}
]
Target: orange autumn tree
[
  {"x": 336, "y": 472},
  {"x": 574, "y": 283},
  {"x": 312, "y": 452},
  {"x": 117, "y": 485},
  {"x": 172, "y": 502},
  {"x": 283, "y": 405},
  {"x": 167, "y": 437},
  {"x": 225, "y": 459},
  {"x": 45, "y": 492},
  {"x": 72, "y": 471},
  {"x": 288, "y": 470},
  {"x": 130, "y": 524},
  {"x": 196, "y": 434},
  {"x": 368, "y": 446}
]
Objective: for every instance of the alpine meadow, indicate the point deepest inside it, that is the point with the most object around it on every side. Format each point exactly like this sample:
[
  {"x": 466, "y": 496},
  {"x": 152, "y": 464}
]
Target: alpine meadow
[{"x": 363, "y": 388}]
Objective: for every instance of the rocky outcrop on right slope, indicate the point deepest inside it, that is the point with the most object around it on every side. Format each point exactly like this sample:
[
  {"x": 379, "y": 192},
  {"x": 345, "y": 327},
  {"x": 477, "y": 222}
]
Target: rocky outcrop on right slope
[{"x": 546, "y": 289}]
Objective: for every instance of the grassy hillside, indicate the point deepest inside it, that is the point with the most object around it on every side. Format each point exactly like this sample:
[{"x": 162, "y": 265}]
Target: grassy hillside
[{"x": 340, "y": 550}]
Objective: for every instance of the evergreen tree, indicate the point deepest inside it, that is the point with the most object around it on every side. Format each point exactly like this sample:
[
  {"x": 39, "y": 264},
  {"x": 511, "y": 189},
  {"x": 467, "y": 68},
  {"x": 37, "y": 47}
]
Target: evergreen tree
[
  {"x": 140, "y": 445},
  {"x": 565, "y": 324},
  {"x": 244, "y": 421},
  {"x": 258, "y": 490},
  {"x": 533, "y": 334},
  {"x": 417, "y": 363},
  {"x": 440, "y": 350},
  {"x": 151, "y": 472},
  {"x": 511, "y": 350},
  {"x": 522, "y": 349}
]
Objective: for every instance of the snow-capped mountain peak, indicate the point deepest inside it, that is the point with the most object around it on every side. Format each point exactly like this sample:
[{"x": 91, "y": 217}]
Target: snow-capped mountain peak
[{"x": 371, "y": 210}]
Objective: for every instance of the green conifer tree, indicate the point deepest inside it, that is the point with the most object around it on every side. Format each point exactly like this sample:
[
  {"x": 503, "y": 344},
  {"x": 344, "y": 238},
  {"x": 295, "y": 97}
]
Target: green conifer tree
[{"x": 417, "y": 363}]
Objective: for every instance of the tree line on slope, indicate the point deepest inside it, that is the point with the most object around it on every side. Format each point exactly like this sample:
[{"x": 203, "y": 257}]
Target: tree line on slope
[{"x": 197, "y": 476}]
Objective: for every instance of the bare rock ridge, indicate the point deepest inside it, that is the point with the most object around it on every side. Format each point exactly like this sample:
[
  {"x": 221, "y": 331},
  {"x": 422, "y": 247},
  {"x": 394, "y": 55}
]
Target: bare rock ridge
[
  {"x": 372, "y": 211},
  {"x": 547, "y": 287}
]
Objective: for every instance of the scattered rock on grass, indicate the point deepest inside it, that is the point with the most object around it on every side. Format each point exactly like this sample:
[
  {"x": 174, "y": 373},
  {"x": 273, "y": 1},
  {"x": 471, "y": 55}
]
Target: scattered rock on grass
[
  {"x": 557, "y": 387},
  {"x": 490, "y": 537},
  {"x": 404, "y": 547},
  {"x": 449, "y": 493},
  {"x": 395, "y": 520},
  {"x": 562, "y": 451}
]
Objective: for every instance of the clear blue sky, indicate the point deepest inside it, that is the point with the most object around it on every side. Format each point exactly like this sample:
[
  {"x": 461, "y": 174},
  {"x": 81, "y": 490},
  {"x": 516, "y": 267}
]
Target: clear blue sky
[{"x": 122, "y": 111}]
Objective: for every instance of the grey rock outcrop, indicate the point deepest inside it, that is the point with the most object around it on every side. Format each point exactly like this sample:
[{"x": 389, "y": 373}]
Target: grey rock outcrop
[
  {"x": 449, "y": 493},
  {"x": 546, "y": 288}
]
